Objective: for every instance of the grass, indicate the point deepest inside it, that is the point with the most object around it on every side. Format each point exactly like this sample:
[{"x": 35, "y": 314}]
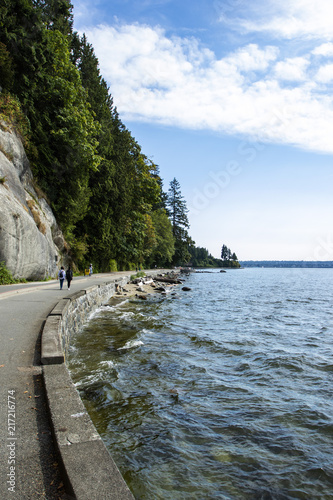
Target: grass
[{"x": 140, "y": 274}]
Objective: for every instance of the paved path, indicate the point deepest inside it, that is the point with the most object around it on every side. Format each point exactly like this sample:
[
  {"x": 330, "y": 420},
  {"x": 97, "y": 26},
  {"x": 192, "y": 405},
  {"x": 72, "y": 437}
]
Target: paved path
[{"x": 28, "y": 461}]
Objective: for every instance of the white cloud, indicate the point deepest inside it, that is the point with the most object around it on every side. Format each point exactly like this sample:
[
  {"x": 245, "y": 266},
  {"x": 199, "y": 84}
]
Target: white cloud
[
  {"x": 283, "y": 19},
  {"x": 293, "y": 69},
  {"x": 251, "y": 58},
  {"x": 325, "y": 49},
  {"x": 175, "y": 81},
  {"x": 325, "y": 74},
  {"x": 290, "y": 19}
]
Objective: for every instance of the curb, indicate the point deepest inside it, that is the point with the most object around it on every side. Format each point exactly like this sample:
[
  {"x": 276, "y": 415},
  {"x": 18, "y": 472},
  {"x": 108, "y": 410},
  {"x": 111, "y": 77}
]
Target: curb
[{"x": 89, "y": 469}]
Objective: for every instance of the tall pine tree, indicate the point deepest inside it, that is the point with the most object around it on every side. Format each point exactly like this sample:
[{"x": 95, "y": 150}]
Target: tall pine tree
[{"x": 178, "y": 215}]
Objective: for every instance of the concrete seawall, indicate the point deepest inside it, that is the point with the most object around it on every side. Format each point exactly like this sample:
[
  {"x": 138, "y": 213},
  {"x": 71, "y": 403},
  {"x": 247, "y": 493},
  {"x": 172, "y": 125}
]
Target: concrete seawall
[{"x": 88, "y": 467}]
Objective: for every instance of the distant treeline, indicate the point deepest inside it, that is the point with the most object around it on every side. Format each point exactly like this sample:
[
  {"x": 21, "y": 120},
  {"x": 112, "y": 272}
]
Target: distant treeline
[
  {"x": 200, "y": 257},
  {"x": 287, "y": 263}
]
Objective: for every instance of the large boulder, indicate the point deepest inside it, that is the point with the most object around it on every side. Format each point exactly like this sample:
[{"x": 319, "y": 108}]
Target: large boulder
[{"x": 31, "y": 242}]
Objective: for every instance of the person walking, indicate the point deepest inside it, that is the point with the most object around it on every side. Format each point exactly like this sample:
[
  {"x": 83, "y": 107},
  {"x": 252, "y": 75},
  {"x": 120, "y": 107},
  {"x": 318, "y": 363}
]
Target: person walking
[
  {"x": 90, "y": 270},
  {"x": 61, "y": 276},
  {"x": 69, "y": 277}
]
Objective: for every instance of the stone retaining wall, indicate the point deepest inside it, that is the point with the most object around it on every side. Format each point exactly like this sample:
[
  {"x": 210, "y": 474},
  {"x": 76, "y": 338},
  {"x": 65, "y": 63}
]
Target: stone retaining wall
[{"x": 89, "y": 469}]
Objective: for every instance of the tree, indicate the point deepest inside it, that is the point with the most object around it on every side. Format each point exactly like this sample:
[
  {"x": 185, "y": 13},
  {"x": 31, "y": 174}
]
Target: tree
[
  {"x": 105, "y": 193},
  {"x": 164, "y": 248},
  {"x": 229, "y": 259},
  {"x": 66, "y": 132},
  {"x": 178, "y": 215},
  {"x": 177, "y": 207},
  {"x": 225, "y": 252},
  {"x": 6, "y": 70}
]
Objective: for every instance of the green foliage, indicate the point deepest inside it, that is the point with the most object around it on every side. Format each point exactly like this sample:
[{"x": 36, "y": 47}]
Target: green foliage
[
  {"x": 139, "y": 274},
  {"x": 106, "y": 194},
  {"x": 164, "y": 248},
  {"x": 6, "y": 69},
  {"x": 177, "y": 210},
  {"x": 177, "y": 207},
  {"x": 67, "y": 134},
  {"x": 11, "y": 113},
  {"x": 6, "y": 277},
  {"x": 229, "y": 259},
  {"x": 113, "y": 266}
]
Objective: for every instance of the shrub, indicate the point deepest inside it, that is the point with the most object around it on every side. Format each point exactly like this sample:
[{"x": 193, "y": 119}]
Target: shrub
[
  {"x": 140, "y": 274},
  {"x": 11, "y": 113},
  {"x": 113, "y": 266},
  {"x": 6, "y": 277}
]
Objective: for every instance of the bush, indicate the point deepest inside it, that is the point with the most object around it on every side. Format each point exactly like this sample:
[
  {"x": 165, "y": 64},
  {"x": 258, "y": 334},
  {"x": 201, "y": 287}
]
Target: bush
[
  {"x": 11, "y": 113},
  {"x": 113, "y": 266},
  {"x": 140, "y": 274},
  {"x": 6, "y": 277}
]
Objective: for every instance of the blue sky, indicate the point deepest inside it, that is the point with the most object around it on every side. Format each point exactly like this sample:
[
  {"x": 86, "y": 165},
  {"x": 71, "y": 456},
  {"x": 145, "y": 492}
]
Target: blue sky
[{"x": 234, "y": 99}]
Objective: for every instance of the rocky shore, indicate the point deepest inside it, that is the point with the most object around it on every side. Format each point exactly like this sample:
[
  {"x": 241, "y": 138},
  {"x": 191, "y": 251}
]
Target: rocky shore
[{"x": 143, "y": 288}]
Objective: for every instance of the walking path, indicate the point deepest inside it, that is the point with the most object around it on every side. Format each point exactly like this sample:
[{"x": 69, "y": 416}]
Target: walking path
[{"x": 28, "y": 461}]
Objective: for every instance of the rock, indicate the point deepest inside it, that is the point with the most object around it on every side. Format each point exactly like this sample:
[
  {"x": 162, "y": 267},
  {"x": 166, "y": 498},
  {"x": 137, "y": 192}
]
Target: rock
[
  {"x": 160, "y": 289},
  {"x": 186, "y": 289},
  {"x": 142, "y": 297},
  {"x": 30, "y": 239},
  {"x": 173, "y": 281},
  {"x": 223, "y": 271}
]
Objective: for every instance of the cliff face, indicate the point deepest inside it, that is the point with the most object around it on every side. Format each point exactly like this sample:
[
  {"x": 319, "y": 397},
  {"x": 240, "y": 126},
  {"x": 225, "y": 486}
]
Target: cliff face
[{"x": 30, "y": 239}]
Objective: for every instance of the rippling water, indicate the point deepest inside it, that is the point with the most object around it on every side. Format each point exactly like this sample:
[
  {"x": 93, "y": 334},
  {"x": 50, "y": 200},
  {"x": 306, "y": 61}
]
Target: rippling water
[{"x": 223, "y": 392}]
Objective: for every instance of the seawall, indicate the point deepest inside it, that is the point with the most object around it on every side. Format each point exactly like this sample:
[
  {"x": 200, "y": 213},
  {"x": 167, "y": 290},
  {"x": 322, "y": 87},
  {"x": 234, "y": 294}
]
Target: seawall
[{"x": 88, "y": 468}]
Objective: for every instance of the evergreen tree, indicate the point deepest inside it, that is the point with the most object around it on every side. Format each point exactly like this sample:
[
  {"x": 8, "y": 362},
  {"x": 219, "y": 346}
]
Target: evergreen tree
[
  {"x": 229, "y": 259},
  {"x": 224, "y": 252},
  {"x": 177, "y": 207},
  {"x": 164, "y": 248},
  {"x": 179, "y": 220},
  {"x": 106, "y": 195},
  {"x": 57, "y": 15}
]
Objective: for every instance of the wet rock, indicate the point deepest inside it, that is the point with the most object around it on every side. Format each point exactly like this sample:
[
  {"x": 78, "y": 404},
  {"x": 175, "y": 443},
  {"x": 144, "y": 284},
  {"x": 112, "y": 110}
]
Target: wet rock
[
  {"x": 186, "y": 289},
  {"x": 141, "y": 297}
]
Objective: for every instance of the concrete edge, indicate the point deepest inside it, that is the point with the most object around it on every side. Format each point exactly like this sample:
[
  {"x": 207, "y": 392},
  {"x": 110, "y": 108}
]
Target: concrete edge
[
  {"x": 89, "y": 469},
  {"x": 51, "y": 349},
  {"x": 61, "y": 307}
]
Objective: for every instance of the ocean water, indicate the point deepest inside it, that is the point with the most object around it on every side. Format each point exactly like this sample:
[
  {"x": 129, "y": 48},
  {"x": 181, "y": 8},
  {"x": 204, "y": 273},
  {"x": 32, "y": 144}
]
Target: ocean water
[{"x": 222, "y": 392}]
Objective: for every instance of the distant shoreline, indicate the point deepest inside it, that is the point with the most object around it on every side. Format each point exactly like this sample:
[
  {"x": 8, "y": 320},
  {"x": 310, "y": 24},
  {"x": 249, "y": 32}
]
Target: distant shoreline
[{"x": 287, "y": 263}]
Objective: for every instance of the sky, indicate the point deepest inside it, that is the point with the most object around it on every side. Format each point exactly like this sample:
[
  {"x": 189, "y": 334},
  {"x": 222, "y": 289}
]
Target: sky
[{"x": 234, "y": 99}]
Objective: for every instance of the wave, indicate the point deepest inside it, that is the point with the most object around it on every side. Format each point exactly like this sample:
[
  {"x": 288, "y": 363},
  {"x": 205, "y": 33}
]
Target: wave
[{"x": 131, "y": 344}]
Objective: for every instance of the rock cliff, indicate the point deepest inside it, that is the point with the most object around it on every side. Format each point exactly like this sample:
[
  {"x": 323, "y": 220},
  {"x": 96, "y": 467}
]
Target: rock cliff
[{"x": 31, "y": 243}]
